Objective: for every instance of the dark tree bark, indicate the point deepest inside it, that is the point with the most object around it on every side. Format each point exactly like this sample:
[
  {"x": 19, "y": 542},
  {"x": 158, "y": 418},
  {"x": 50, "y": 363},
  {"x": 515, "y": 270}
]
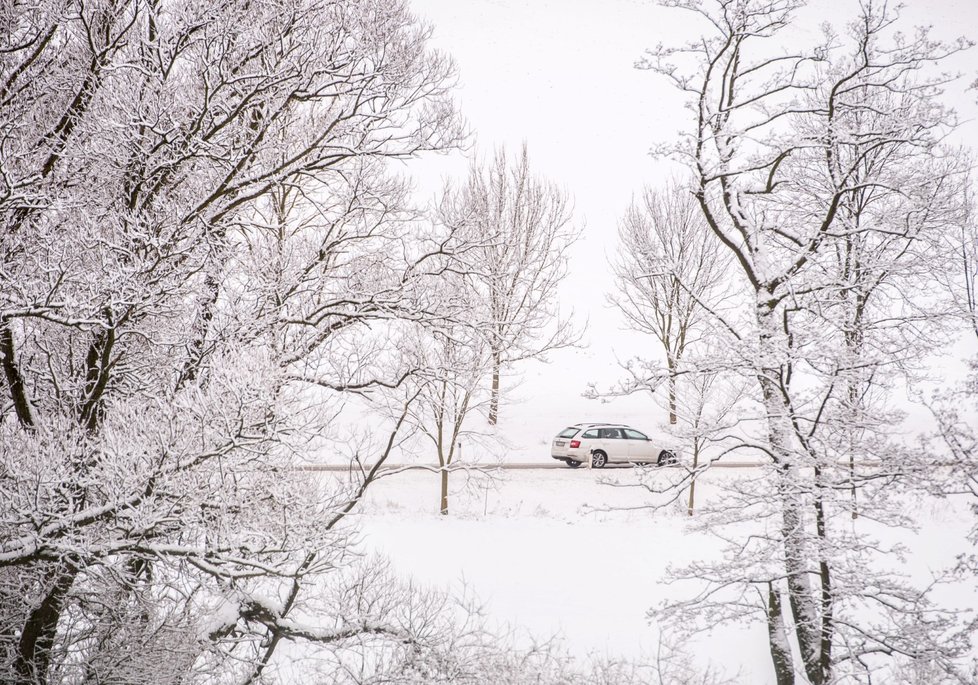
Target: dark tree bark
[
  {"x": 778, "y": 639},
  {"x": 33, "y": 658}
]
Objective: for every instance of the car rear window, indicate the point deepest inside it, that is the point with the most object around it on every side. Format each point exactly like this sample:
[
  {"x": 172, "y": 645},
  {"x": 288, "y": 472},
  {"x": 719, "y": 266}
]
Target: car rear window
[{"x": 568, "y": 432}]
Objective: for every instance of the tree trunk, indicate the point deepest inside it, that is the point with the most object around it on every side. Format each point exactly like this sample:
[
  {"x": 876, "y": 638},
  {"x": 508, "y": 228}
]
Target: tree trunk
[
  {"x": 852, "y": 486},
  {"x": 826, "y": 626},
  {"x": 494, "y": 394},
  {"x": 692, "y": 482},
  {"x": 37, "y": 638},
  {"x": 800, "y": 597},
  {"x": 852, "y": 395},
  {"x": 796, "y": 552},
  {"x": 778, "y": 639},
  {"x": 15, "y": 382},
  {"x": 444, "y": 491},
  {"x": 671, "y": 363},
  {"x": 854, "y": 351}
]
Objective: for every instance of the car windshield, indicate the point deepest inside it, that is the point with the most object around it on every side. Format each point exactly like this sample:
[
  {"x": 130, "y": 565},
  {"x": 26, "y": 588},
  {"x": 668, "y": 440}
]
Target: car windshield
[{"x": 568, "y": 432}]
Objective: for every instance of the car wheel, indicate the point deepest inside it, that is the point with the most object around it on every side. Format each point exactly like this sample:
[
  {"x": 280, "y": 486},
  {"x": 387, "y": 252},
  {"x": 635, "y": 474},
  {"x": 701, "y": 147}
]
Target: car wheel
[
  {"x": 667, "y": 458},
  {"x": 598, "y": 459},
  {"x": 573, "y": 463}
]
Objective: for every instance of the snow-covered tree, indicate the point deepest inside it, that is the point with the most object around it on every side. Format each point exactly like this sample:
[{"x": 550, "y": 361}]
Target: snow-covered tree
[
  {"x": 670, "y": 270},
  {"x": 521, "y": 226},
  {"x": 822, "y": 173},
  {"x": 965, "y": 288},
  {"x": 202, "y": 253},
  {"x": 450, "y": 394},
  {"x": 952, "y": 451}
]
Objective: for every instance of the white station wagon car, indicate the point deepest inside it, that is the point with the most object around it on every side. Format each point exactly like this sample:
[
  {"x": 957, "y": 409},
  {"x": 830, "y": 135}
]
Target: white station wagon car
[{"x": 608, "y": 442}]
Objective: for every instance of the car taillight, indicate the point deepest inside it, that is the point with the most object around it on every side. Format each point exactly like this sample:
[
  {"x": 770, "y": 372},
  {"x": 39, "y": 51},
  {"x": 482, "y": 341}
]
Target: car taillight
[{"x": 575, "y": 443}]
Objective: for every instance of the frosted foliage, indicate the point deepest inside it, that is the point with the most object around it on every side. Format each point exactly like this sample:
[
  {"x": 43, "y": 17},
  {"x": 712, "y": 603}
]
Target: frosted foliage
[
  {"x": 821, "y": 170},
  {"x": 198, "y": 229},
  {"x": 672, "y": 278},
  {"x": 517, "y": 226}
]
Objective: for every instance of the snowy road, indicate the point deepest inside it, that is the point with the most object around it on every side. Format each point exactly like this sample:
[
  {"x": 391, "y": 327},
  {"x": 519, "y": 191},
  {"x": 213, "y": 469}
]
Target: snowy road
[{"x": 508, "y": 466}]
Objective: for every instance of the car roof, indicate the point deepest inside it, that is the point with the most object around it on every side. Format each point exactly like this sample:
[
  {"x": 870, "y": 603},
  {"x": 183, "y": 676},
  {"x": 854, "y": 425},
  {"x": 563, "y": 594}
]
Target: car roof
[{"x": 592, "y": 425}]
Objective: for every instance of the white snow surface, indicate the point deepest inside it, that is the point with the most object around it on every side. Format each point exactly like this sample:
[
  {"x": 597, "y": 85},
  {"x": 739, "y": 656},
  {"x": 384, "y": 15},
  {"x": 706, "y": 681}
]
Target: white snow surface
[{"x": 552, "y": 553}]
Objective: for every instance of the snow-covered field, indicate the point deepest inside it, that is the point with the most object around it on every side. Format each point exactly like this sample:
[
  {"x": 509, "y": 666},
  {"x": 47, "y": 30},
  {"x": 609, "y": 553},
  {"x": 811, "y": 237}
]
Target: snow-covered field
[{"x": 575, "y": 553}]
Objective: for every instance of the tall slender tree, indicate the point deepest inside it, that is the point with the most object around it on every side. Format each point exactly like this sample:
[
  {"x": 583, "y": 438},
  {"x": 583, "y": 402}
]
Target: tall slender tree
[
  {"x": 670, "y": 272},
  {"x": 807, "y": 163},
  {"x": 521, "y": 224}
]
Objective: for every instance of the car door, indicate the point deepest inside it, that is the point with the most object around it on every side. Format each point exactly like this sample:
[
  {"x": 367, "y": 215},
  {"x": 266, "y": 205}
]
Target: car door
[
  {"x": 613, "y": 444},
  {"x": 598, "y": 442},
  {"x": 639, "y": 447},
  {"x": 589, "y": 441}
]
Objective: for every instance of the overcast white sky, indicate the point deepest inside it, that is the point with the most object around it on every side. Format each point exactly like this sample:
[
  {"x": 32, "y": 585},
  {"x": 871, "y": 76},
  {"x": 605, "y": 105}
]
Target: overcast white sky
[{"x": 559, "y": 74}]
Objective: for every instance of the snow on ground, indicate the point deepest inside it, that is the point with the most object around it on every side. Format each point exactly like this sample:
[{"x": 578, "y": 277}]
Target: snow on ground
[
  {"x": 545, "y": 554},
  {"x": 550, "y": 553}
]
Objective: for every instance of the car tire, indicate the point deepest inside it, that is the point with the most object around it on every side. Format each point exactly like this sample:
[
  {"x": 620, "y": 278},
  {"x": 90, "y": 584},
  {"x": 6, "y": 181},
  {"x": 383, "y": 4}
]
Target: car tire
[
  {"x": 667, "y": 458},
  {"x": 573, "y": 463},
  {"x": 598, "y": 459}
]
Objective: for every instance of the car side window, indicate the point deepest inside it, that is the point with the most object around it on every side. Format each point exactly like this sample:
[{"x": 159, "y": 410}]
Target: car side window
[
  {"x": 635, "y": 435},
  {"x": 610, "y": 433},
  {"x": 590, "y": 434}
]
